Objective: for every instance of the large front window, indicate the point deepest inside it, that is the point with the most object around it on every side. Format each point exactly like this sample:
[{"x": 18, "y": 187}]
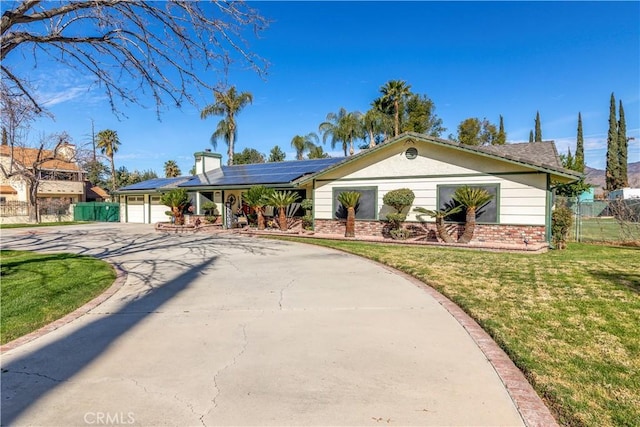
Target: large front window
[
  {"x": 367, "y": 204},
  {"x": 487, "y": 213}
]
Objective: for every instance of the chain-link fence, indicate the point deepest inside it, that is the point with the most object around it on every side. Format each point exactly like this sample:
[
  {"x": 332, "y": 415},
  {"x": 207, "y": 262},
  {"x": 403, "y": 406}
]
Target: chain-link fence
[{"x": 610, "y": 221}]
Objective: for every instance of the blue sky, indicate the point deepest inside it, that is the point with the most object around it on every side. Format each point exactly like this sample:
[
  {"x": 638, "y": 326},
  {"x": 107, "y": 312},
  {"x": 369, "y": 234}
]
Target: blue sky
[{"x": 473, "y": 59}]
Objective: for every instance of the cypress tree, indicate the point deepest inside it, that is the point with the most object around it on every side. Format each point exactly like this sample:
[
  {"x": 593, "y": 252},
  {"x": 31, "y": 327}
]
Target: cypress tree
[
  {"x": 538, "y": 136},
  {"x": 530, "y": 136},
  {"x": 580, "y": 146},
  {"x": 623, "y": 180},
  {"x": 613, "y": 163},
  {"x": 501, "y": 139}
]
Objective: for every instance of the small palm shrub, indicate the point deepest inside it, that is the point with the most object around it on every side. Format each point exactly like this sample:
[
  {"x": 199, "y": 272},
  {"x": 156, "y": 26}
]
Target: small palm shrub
[
  {"x": 472, "y": 198},
  {"x": 257, "y": 197},
  {"x": 349, "y": 200},
  {"x": 178, "y": 200},
  {"x": 280, "y": 200},
  {"x": 440, "y": 216}
]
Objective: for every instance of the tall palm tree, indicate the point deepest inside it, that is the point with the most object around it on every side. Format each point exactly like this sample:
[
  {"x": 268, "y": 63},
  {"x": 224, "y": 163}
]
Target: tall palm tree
[
  {"x": 257, "y": 197},
  {"x": 395, "y": 91},
  {"x": 108, "y": 143},
  {"x": 375, "y": 123},
  {"x": 171, "y": 169},
  {"x": 472, "y": 198},
  {"x": 228, "y": 104},
  {"x": 304, "y": 143},
  {"x": 280, "y": 200},
  {"x": 343, "y": 127},
  {"x": 349, "y": 200}
]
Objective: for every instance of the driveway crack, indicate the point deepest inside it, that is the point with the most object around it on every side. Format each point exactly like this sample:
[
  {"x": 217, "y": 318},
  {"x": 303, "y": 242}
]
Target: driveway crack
[
  {"x": 218, "y": 391},
  {"x": 287, "y": 286}
]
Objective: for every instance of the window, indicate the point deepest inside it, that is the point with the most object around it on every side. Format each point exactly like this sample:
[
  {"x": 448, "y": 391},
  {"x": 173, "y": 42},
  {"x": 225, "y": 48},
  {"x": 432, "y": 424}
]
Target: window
[
  {"x": 135, "y": 200},
  {"x": 486, "y": 214},
  {"x": 411, "y": 153},
  {"x": 155, "y": 200},
  {"x": 367, "y": 205}
]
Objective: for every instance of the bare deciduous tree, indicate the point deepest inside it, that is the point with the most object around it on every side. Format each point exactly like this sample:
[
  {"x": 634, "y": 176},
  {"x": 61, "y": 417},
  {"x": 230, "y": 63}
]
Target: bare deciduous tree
[
  {"x": 131, "y": 47},
  {"x": 30, "y": 165}
]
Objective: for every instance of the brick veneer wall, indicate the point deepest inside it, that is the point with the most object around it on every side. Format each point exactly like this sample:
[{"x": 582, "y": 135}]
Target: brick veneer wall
[{"x": 483, "y": 233}]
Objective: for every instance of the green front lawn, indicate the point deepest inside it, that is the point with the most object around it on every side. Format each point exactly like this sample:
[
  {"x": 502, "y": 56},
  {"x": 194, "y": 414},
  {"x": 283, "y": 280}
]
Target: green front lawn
[
  {"x": 37, "y": 289},
  {"x": 570, "y": 320}
]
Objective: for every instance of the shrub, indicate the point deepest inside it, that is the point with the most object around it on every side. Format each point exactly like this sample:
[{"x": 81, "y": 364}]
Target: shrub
[
  {"x": 400, "y": 233},
  {"x": 561, "y": 223},
  {"x": 399, "y": 199},
  {"x": 307, "y": 222},
  {"x": 210, "y": 208},
  {"x": 306, "y": 204}
]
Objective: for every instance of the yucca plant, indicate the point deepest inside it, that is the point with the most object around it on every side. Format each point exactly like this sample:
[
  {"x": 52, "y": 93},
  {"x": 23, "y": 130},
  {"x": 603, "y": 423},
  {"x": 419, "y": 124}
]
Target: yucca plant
[
  {"x": 472, "y": 198},
  {"x": 439, "y": 216},
  {"x": 257, "y": 197},
  {"x": 177, "y": 199},
  {"x": 349, "y": 200},
  {"x": 280, "y": 200}
]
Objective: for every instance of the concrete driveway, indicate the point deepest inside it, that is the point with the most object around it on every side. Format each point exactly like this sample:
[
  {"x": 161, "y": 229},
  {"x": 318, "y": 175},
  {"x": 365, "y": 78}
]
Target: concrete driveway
[{"x": 227, "y": 330}]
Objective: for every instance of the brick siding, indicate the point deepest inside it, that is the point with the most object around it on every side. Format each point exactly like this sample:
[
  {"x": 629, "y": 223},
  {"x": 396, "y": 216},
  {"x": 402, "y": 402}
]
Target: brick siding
[{"x": 512, "y": 234}]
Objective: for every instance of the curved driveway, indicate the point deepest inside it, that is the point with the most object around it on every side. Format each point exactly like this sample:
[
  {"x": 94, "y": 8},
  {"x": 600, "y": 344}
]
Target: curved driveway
[{"x": 226, "y": 330}]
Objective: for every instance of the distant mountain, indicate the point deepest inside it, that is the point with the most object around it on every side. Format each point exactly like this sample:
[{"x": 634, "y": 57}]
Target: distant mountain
[{"x": 596, "y": 177}]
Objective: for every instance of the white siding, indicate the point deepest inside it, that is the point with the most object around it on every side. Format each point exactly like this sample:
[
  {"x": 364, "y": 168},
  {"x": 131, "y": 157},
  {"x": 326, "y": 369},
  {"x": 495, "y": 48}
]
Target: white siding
[{"x": 522, "y": 193}]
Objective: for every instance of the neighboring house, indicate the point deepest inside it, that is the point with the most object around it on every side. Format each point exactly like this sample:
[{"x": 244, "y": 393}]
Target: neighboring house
[
  {"x": 93, "y": 193},
  {"x": 518, "y": 175},
  {"x": 61, "y": 178}
]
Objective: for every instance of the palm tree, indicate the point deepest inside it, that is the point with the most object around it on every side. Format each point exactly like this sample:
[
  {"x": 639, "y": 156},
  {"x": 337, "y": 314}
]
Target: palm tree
[
  {"x": 317, "y": 152},
  {"x": 108, "y": 142},
  {"x": 177, "y": 199},
  {"x": 373, "y": 123},
  {"x": 394, "y": 92},
  {"x": 304, "y": 143},
  {"x": 349, "y": 200},
  {"x": 280, "y": 200},
  {"x": 343, "y": 127},
  {"x": 171, "y": 169},
  {"x": 440, "y": 215},
  {"x": 257, "y": 197},
  {"x": 228, "y": 104},
  {"x": 472, "y": 198}
]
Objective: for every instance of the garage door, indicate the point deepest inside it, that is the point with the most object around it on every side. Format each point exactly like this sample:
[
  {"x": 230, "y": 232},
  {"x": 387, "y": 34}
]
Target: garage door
[
  {"x": 158, "y": 210},
  {"x": 135, "y": 209}
]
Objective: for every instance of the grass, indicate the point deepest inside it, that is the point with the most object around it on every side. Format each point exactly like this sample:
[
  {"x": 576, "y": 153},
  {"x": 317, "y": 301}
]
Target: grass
[
  {"x": 570, "y": 320},
  {"x": 43, "y": 224},
  {"x": 37, "y": 289},
  {"x": 608, "y": 230}
]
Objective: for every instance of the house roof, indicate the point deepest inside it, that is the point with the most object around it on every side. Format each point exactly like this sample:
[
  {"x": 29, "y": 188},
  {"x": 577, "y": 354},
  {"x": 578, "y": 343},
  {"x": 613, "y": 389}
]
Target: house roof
[
  {"x": 26, "y": 157},
  {"x": 275, "y": 173},
  {"x": 94, "y": 192},
  {"x": 540, "y": 156},
  {"x": 156, "y": 184},
  {"x": 7, "y": 189}
]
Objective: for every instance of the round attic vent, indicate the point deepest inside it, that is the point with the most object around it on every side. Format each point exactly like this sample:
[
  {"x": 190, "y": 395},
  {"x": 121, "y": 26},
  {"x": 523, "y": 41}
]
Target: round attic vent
[{"x": 411, "y": 153}]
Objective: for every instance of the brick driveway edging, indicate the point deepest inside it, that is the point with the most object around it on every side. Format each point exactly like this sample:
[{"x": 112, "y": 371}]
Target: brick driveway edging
[{"x": 532, "y": 409}]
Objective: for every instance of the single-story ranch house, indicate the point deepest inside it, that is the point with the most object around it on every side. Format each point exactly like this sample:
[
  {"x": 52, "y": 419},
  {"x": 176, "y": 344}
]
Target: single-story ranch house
[{"x": 518, "y": 175}]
